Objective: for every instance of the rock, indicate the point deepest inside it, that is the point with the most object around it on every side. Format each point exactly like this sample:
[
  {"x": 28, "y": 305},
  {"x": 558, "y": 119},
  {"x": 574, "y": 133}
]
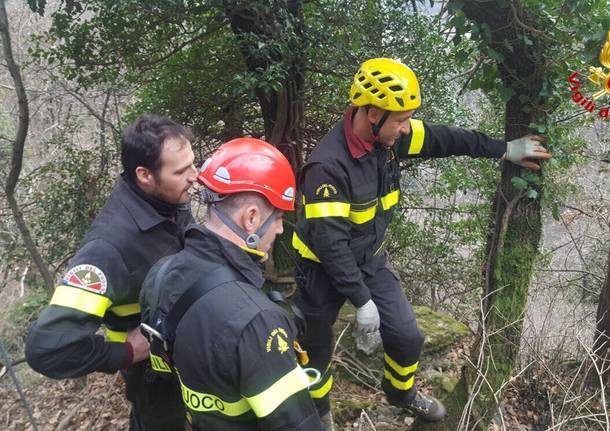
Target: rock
[
  {"x": 442, "y": 383},
  {"x": 367, "y": 343},
  {"x": 441, "y": 330}
]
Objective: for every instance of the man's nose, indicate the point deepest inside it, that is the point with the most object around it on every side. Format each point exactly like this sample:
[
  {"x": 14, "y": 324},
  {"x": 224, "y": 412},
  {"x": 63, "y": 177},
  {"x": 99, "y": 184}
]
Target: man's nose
[{"x": 193, "y": 174}]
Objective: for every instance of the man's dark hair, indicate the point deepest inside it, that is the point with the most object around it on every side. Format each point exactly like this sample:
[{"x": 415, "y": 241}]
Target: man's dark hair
[{"x": 142, "y": 142}]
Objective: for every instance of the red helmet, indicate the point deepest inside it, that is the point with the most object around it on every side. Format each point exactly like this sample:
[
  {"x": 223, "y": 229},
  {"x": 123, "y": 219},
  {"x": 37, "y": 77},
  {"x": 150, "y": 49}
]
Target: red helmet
[{"x": 250, "y": 165}]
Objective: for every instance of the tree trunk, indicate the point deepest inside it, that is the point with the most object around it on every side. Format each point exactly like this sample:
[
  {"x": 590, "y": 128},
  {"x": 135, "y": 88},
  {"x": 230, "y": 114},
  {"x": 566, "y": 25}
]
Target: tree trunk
[
  {"x": 271, "y": 35},
  {"x": 512, "y": 245},
  {"x": 17, "y": 153}
]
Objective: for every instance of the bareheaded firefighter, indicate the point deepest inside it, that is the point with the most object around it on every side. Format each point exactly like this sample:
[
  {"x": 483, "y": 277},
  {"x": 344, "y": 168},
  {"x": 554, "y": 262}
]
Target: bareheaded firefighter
[
  {"x": 233, "y": 347},
  {"x": 348, "y": 192},
  {"x": 143, "y": 220}
]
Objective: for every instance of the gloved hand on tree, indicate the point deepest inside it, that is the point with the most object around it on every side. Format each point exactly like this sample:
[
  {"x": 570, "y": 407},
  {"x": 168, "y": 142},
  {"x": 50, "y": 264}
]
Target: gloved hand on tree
[{"x": 525, "y": 150}]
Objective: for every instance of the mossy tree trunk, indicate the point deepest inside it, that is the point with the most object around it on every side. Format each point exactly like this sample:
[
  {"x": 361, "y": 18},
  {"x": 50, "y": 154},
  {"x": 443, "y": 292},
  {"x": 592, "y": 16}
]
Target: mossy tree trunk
[{"x": 512, "y": 245}]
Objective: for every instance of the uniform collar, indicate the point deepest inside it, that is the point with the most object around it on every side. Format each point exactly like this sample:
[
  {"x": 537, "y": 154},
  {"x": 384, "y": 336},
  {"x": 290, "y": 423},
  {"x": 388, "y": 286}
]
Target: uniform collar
[
  {"x": 357, "y": 147},
  {"x": 205, "y": 241},
  {"x": 144, "y": 215}
]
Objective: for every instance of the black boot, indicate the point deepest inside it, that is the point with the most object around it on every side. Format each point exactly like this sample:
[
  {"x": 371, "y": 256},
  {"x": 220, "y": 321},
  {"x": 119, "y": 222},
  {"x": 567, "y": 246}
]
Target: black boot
[{"x": 423, "y": 406}]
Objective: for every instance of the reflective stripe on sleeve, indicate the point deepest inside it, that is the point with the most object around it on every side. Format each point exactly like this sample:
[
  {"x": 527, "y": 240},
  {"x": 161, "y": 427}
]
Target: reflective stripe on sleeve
[
  {"x": 126, "y": 310},
  {"x": 267, "y": 401},
  {"x": 81, "y": 300},
  {"x": 327, "y": 209},
  {"x": 302, "y": 248},
  {"x": 361, "y": 217},
  {"x": 417, "y": 136},
  {"x": 116, "y": 336},
  {"x": 389, "y": 200}
]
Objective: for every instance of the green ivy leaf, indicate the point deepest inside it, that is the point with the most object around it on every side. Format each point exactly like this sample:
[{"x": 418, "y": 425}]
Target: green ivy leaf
[{"x": 518, "y": 183}]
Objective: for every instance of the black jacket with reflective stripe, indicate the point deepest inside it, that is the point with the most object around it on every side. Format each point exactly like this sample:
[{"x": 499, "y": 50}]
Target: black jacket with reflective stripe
[
  {"x": 234, "y": 347},
  {"x": 347, "y": 203},
  {"x": 125, "y": 240}
]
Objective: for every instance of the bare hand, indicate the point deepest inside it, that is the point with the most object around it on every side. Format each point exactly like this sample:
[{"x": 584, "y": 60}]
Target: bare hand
[{"x": 140, "y": 345}]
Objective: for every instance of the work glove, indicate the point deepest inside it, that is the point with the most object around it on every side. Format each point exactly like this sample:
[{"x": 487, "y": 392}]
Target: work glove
[
  {"x": 367, "y": 317},
  {"x": 523, "y": 150}
]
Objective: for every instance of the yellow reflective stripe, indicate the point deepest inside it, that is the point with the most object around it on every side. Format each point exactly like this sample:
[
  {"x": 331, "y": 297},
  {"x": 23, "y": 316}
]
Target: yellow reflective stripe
[
  {"x": 303, "y": 250},
  {"x": 158, "y": 364},
  {"x": 400, "y": 370},
  {"x": 81, "y": 300},
  {"x": 201, "y": 402},
  {"x": 267, "y": 401},
  {"x": 116, "y": 336},
  {"x": 327, "y": 209},
  {"x": 417, "y": 136},
  {"x": 126, "y": 310},
  {"x": 360, "y": 217},
  {"x": 323, "y": 390},
  {"x": 389, "y": 200},
  {"x": 404, "y": 386}
]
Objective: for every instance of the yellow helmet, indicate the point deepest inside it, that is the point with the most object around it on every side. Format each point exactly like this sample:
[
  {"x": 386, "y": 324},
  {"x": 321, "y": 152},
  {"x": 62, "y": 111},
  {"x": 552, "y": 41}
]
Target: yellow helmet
[{"x": 387, "y": 84}]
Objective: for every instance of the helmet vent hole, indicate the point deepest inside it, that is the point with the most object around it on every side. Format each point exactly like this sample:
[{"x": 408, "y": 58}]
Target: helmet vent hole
[
  {"x": 381, "y": 96},
  {"x": 400, "y": 101},
  {"x": 396, "y": 88},
  {"x": 357, "y": 95},
  {"x": 385, "y": 79},
  {"x": 360, "y": 78},
  {"x": 413, "y": 97},
  {"x": 375, "y": 73},
  {"x": 367, "y": 85},
  {"x": 374, "y": 91}
]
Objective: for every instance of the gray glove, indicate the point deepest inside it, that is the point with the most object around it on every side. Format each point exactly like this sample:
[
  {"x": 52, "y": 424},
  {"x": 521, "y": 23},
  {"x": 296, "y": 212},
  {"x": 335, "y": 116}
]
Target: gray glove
[
  {"x": 367, "y": 317},
  {"x": 523, "y": 150}
]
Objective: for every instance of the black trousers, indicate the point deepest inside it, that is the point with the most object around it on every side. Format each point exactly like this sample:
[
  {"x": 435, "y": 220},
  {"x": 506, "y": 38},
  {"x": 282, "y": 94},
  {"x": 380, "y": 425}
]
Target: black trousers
[
  {"x": 402, "y": 340},
  {"x": 156, "y": 400}
]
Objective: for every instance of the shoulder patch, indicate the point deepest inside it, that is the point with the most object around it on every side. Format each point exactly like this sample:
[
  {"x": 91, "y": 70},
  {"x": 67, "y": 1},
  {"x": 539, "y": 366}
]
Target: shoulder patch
[
  {"x": 280, "y": 337},
  {"x": 326, "y": 190},
  {"x": 87, "y": 277}
]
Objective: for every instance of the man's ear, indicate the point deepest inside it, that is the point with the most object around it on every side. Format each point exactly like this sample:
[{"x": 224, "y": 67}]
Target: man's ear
[
  {"x": 145, "y": 176},
  {"x": 374, "y": 114},
  {"x": 250, "y": 217}
]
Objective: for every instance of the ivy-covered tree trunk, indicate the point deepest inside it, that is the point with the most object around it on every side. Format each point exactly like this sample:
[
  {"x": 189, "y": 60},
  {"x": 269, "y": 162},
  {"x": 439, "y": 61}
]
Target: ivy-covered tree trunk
[
  {"x": 271, "y": 42},
  {"x": 512, "y": 245}
]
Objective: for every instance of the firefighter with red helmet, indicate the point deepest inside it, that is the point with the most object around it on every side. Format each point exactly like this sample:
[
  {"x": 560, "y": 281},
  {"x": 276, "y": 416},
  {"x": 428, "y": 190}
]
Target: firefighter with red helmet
[
  {"x": 350, "y": 188},
  {"x": 233, "y": 347}
]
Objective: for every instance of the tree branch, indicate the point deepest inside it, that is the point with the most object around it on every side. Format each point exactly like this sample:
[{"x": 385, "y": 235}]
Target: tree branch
[{"x": 18, "y": 146}]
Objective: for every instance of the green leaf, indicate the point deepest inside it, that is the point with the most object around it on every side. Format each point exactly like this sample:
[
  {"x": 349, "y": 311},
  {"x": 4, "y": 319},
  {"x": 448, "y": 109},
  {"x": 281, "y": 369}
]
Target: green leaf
[
  {"x": 506, "y": 93},
  {"x": 518, "y": 183},
  {"x": 532, "y": 194}
]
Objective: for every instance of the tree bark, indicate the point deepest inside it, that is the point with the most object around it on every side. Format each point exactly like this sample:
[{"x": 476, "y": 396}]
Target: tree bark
[
  {"x": 277, "y": 24},
  {"x": 17, "y": 153},
  {"x": 512, "y": 245}
]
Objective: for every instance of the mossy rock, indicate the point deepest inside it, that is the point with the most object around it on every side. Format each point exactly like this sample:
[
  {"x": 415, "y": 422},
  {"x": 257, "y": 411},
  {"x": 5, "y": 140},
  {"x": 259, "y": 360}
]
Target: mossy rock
[{"x": 441, "y": 330}]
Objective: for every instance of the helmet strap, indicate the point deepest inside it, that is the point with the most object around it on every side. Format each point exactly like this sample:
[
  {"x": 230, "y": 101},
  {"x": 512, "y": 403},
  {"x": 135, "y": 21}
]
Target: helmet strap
[
  {"x": 252, "y": 240},
  {"x": 376, "y": 128}
]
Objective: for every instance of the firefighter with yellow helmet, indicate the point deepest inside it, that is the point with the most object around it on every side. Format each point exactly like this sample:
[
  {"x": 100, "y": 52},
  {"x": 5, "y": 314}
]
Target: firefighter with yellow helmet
[{"x": 350, "y": 188}]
